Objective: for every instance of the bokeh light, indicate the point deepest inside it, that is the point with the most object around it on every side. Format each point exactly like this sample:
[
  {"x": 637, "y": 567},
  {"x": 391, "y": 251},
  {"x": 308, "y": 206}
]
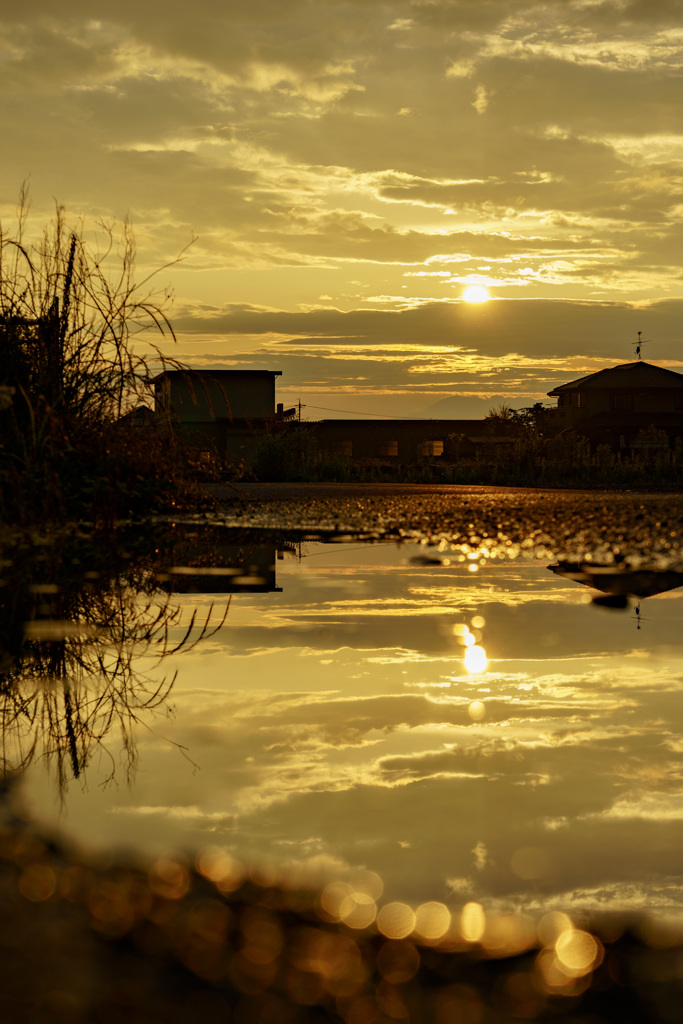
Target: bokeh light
[
  {"x": 220, "y": 868},
  {"x": 432, "y": 920},
  {"x": 396, "y": 920},
  {"x": 578, "y": 952},
  {"x": 169, "y": 879},
  {"x": 552, "y": 926},
  {"x": 368, "y": 882},
  {"x": 398, "y": 962},
  {"x": 472, "y": 922},
  {"x": 358, "y": 910},
  {"x": 332, "y": 897},
  {"x": 554, "y": 980},
  {"x": 37, "y": 883}
]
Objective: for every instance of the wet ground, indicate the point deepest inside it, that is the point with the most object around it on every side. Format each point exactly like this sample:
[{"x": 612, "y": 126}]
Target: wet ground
[{"x": 641, "y": 530}]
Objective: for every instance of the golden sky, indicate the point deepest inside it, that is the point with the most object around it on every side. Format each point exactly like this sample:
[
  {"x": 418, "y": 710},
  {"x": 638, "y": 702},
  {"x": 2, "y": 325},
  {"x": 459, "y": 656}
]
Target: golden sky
[{"x": 349, "y": 168}]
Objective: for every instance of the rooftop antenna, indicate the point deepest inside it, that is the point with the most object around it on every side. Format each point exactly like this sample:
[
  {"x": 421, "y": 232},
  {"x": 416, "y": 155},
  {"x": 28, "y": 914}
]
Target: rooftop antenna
[
  {"x": 639, "y": 344},
  {"x": 638, "y": 617}
]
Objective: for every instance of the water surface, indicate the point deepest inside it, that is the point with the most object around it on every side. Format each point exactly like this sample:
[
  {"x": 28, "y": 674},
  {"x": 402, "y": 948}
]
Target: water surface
[{"x": 464, "y": 729}]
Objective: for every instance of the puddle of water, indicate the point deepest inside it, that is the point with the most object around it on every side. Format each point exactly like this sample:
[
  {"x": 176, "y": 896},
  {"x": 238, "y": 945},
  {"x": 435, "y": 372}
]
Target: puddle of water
[{"x": 447, "y": 730}]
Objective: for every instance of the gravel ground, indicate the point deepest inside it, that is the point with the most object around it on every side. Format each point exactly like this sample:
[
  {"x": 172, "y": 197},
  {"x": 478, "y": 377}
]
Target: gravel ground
[{"x": 634, "y": 529}]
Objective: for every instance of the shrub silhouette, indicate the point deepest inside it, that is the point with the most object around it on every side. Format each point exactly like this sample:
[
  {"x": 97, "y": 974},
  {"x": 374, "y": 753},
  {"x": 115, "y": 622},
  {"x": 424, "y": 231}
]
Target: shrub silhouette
[{"x": 80, "y": 340}]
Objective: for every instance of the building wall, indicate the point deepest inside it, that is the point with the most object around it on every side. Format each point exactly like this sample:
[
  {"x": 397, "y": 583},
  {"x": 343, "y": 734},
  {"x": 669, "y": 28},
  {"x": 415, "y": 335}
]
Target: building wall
[
  {"x": 402, "y": 440},
  {"x": 223, "y": 569},
  {"x": 223, "y": 413},
  {"x": 222, "y": 395},
  {"x": 232, "y": 441},
  {"x": 623, "y": 405}
]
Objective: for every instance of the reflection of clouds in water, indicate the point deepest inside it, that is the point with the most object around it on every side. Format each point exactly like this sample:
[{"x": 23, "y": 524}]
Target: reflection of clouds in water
[
  {"x": 480, "y": 856},
  {"x": 369, "y": 748},
  {"x": 467, "y": 597},
  {"x": 649, "y": 806}
]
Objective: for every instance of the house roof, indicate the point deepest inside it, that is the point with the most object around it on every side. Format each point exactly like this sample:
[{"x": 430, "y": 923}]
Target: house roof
[
  {"x": 218, "y": 374},
  {"x": 641, "y": 583},
  {"x": 627, "y": 375}
]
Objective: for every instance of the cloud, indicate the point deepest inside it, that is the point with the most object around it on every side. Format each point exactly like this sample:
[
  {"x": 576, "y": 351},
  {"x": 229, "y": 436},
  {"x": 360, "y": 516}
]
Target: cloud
[
  {"x": 655, "y": 806},
  {"x": 267, "y": 89},
  {"x": 543, "y": 328},
  {"x": 480, "y": 856},
  {"x": 520, "y": 349},
  {"x": 333, "y": 155}
]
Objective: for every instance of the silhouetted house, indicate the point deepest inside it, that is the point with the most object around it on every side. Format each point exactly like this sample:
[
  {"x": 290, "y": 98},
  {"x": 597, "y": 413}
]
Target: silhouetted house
[
  {"x": 140, "y": 416},
  {"x": 222, "y": 568},
  {"x": 220, "y": 411},
  {"x": 618, "y": 587},
  {"x": 407, "y": 440},
  {"x": 613, "y": 405},
  {"x": 638, "y": 584}
]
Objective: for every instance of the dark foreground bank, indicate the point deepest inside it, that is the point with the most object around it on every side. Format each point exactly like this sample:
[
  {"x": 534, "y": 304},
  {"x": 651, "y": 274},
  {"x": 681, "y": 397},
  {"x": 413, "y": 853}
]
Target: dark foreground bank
[{"x": 184, "y": 941}]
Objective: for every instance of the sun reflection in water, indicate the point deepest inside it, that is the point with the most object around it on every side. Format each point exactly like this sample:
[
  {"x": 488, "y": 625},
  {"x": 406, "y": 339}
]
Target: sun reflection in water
[
  {"x": 475, "y": 659},
  {"x": 477, "y": 710}
]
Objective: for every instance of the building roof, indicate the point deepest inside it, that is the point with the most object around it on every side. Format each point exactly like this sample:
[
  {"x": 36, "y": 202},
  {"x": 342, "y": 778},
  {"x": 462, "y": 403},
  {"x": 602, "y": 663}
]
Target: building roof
[
  {"x": 627, "y": 375},
  {"x": 218, "y": 374},
  {"x": 609, "y": 580}
]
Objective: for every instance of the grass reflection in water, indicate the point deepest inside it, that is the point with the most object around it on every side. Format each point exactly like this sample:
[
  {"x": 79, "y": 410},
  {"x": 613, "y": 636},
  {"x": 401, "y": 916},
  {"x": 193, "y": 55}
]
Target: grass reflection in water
[{"x": 80, "y": 651}]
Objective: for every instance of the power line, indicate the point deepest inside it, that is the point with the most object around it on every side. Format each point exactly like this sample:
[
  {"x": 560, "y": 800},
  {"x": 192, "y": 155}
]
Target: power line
[{"x": 353, "y": 412}]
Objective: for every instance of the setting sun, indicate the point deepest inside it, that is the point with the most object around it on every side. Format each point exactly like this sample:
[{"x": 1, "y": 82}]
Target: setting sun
[{"x": 476, "y": 293}]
